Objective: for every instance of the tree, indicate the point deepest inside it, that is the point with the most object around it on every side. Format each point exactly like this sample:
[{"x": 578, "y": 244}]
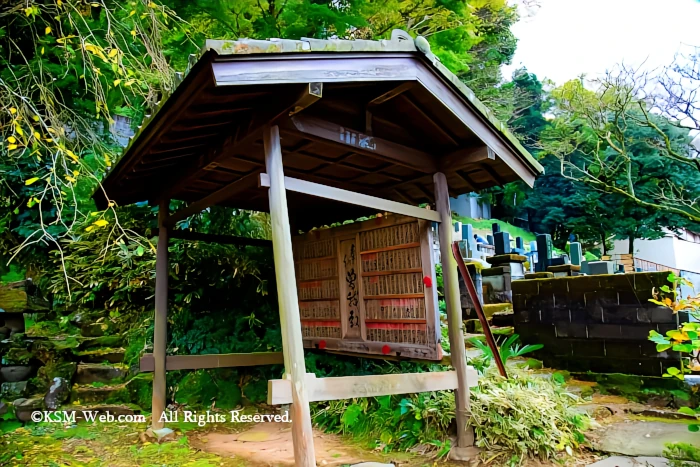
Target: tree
[
  {"x": 612, "y": 124},
  {"x": 606, "y": 144},
  {"x": 66, "y": 68}
]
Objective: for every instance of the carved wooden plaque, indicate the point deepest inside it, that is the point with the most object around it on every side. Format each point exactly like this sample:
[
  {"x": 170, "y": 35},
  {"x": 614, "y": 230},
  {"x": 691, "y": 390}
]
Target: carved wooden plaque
[{"x": 369, "y": 287}]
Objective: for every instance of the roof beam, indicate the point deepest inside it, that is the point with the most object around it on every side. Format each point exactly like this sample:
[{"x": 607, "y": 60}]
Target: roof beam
[
  {"x": 339, "y": 136},
  {"x": 463, "y": 157},
  {"x": 314, "y": 93},
  {"x": 350, "y": 197},
  {"x": 390, "y": 94},
  {"x": 233, "y": 188}
]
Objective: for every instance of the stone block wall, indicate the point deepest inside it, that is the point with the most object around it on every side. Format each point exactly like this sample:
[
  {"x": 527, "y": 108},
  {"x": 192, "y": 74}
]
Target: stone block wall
[{"x": 595, "y": 323}]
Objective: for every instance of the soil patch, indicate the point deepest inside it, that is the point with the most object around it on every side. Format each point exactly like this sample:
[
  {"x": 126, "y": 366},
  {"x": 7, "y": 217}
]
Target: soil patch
[{"x": 270, "y": 444}]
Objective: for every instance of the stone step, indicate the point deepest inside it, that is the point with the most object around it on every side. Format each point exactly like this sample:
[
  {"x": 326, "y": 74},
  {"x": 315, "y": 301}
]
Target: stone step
[
  {"x": 103, "y": 394},
  {"x": 93, "y": 329},
  {"x": 100, "y": 355},
  {"x": 98, "y": 373},
  {"x": 102, "y": 341}
]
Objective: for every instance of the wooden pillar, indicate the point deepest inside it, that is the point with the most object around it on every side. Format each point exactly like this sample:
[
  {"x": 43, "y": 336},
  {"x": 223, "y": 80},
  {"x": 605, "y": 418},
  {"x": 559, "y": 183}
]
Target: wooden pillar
[
  {"x": 465, "y": 437},
  {"x": 160, "y": 328},
  {"x": 293, "y": 346}
]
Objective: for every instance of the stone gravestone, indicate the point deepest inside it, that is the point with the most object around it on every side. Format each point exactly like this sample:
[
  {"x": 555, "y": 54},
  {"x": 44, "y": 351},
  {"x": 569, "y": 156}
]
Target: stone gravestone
[
  {"x": 467, "y": 232},
  {"x": 489, "y": 239},
  {"x": 495, "y": 227},
  {"x": 502, "y": 243},
  {"x": 533, "y": 255},
  {"x": 576, "y": 253},
  {"x": 600, "y": 267},
  {"x": 544, "y": 252},
  {"x": 519, "y": 243}
]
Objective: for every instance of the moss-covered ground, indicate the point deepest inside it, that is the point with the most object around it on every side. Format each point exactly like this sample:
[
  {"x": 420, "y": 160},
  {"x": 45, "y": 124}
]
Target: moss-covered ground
[{"x": 101, "y": 445}]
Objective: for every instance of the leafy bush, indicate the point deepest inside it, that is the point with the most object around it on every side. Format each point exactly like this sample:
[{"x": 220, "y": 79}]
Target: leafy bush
[
  {"x": 685, "y": 339},
  {"x": 510, "y": 348},
  {"x": 682, "y": 455},
  {"x": 525, "y": 417},
  {"x": 391, "y": 422}
]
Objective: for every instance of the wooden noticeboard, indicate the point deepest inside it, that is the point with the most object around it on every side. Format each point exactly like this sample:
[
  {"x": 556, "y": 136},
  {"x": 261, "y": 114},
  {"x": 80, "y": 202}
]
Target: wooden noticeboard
[{"x": 369, "y": 287}]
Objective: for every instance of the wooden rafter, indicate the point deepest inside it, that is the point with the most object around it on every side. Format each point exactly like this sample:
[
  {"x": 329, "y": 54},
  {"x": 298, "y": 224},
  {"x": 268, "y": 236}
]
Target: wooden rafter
[
  {"x": 246, "y": 181},
  {"x": 430, "y": 120},
  {"x": 465, "y": 156},
  {"x": 493, "y": 174},
  {"x": 230, "y": 144}
]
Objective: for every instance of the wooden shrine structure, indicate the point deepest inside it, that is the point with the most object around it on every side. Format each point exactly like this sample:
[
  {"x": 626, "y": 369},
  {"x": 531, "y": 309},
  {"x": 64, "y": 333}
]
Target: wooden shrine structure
[{"x": 315, "y": 132}]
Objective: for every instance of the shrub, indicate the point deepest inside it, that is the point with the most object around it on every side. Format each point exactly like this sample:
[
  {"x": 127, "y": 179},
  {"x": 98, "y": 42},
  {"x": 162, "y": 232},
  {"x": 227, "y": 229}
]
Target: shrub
[{"x": 525, "y": 417}]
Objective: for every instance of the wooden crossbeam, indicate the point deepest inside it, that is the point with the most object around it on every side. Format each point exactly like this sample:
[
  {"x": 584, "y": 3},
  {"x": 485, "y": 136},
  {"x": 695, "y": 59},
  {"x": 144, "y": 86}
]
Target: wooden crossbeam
[
  {"x": 466, "y": 156},
  {"x": 350, "y": 197},
  {"x": 227, "y": 360},
  {"x": 339, "y": 136},
  {"x": 218, "y": 196},
  {"x": 279, "y": 391},
  {"x": 222, "y": 239}
]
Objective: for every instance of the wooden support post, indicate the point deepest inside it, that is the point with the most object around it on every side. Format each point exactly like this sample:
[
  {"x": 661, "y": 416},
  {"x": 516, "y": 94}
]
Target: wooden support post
[
  {"x": 290, "y": 321},
  {"x": 160, "y": 328},
  {"x": 465, "y": 437}
]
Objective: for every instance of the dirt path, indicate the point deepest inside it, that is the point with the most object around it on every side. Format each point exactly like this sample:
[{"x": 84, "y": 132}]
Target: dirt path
[{"x": 271, "y": 444}]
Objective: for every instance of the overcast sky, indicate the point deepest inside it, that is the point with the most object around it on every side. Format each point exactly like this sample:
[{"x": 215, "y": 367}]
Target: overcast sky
[{"x": 564, "y": 38}]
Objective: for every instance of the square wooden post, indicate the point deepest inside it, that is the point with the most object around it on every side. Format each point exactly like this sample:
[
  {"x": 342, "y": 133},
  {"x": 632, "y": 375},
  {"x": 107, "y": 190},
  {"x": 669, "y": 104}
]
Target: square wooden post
[
  {"x": 290, "y": 321},
  {"x": 160, "y": 328},
  {"x": 465, "y": 437}
]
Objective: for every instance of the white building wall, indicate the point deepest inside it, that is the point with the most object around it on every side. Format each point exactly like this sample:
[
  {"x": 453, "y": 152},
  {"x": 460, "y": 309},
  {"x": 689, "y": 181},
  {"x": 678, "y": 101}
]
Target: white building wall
[
  {"x": 668, "y": 251},
  {"x": 687, "y": 255}
]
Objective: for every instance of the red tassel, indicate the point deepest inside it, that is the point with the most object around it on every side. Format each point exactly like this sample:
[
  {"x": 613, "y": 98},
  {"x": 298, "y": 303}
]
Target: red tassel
[
  {"x": 427, "y": 281},
  {"x": 386, "y": 349},
  {"x": 322, "y": 345}
]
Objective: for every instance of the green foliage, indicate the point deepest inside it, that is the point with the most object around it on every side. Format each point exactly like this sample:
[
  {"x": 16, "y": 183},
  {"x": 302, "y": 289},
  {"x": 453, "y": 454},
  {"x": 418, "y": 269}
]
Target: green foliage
[
  {"x": 530, "y": 417},
  {"x": 390, "y": 422},
  {"x": 685, "y": 339},
  {"x": 525, "y": 417},
  {"x": 66, "y": 67},
  {"x": 682, "y": 455},
  {"x": 510, "y": 348}
]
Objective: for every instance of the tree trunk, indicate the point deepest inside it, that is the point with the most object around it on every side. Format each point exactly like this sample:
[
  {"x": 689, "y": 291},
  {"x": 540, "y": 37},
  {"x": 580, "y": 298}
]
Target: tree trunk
[
  {"x": 602, "y": 240},
  {"x": 631, "y": 248}
]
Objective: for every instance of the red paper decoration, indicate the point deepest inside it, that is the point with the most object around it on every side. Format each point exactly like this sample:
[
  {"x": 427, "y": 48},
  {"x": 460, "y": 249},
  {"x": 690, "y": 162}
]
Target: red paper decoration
[
  {"x": 427, "y": 281},
  {"x": 322, "y": 345},
  {"x": 386, "y": 349}
]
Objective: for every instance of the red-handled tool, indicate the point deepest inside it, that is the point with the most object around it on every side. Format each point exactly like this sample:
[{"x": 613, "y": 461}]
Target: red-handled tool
[{"x": 479, "y": 310}]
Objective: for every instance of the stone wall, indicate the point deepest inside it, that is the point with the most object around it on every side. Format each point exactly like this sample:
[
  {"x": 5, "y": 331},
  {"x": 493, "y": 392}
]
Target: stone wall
[{"x": 595, "y": 323}]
